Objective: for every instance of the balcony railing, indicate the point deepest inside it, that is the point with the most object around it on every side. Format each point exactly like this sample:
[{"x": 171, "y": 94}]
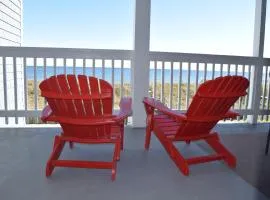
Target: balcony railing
[
  {"x": 23, "y": 68},
  {"x": 173, "y": 77}
]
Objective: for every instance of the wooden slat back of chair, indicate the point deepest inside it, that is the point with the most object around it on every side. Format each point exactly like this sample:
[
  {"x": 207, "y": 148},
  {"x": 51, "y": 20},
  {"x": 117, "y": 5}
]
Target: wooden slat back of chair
[
  {"x": 92, "y": 96},
  {"x": 79, "y": 97},
  {"x": 211, "y": 102}
]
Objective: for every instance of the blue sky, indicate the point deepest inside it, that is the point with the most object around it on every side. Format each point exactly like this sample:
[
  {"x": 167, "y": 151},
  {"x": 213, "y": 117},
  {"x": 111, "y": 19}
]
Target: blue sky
[
  {"x": 80, "y": 23},
  {"x": 209, "y": 26}
]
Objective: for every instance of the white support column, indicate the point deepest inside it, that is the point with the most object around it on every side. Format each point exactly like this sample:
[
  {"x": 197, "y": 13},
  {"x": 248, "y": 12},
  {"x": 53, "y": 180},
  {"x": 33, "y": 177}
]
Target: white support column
[
  {"x": 140, "y": 61},
  {"x": 258, "y": 48}
]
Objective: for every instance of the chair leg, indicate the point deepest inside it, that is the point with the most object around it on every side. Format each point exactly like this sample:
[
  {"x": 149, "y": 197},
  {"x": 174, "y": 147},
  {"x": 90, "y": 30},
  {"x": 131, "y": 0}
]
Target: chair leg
[
  {"x": 149, "y": 128},
  {"x": 221, "y": 149},
  {"x": 267, "y": 143},
  {"x": 71, "y": 145},
  {"x": 57, "y": 149},
  {"x": 187, "y": 141},
  {"x": 175, "y": 155},
  {"x": 116, "y": 157},
  {"x": 118, "y": 149},
  {"x": 122, "y": 135},
  {"x": 179, "y": 160},
  {"x": 147, "y": 138}
]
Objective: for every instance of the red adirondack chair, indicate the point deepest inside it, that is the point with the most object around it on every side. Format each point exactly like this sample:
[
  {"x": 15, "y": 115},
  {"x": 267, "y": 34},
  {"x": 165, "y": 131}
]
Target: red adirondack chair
[
  {"x": 211, "y": 103},
  {"x": 83, "y": 107}
]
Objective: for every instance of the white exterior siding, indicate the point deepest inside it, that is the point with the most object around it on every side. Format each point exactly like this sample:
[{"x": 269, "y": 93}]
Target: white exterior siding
[
  {"x": 10, "y": 22},
  {"x": 11, "y": 35}
]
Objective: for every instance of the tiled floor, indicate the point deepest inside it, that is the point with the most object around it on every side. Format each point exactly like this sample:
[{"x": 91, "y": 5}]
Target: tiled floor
[{"x": 141, "y": 175}]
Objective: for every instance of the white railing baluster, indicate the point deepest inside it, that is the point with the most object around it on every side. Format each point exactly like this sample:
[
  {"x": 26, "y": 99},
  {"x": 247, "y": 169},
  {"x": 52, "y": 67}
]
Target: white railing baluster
[
  {"x": 213, "y": 71},
  {"x": 155, "y": 79},
  {"x": 25, "y": 84},
  {"x": 94, "y": 67},
  {"x": 197, "y": 76},
  {"x": 122, "y": 78},
  {"x": 242, "y": 98},
  {"x": 65, "y": 65},
  {"x": 180, "y": 86},
  {"x": 205, "y": 71},
  {"x": 268, "y": 94},
  {"x": 44, "y": 73},
  {"x": 84, "y": 65},
  {"x": 113, "y": 64},
  {"x": 74, "y": 65},
  {"x": 162, "y": 82},
  {"x": 5, "y": 86},
  {"x": 54, "y": 66},
  {"x": 221, "y": 69},
  {"x": 103, "y": 68},
  {"x": 171, "y": 86},
  {"x": 44, "y": 68},
  {"x": 265, "y": 68},
  {"x": 35, "y": 84},
  {"x": 248, "y": 90},
  {"x": 243, "y": 70},
  {"x": 188, "y": 87},
  {"x": 15, "y": 87}
]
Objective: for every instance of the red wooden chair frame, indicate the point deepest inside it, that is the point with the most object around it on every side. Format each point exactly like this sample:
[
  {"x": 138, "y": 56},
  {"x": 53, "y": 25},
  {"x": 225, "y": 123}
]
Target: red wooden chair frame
[
  {"x": 83, "y": 107},
  {"x": 211, "y": 103}
]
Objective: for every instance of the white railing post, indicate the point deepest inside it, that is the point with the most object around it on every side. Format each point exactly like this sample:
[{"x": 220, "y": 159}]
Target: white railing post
[
  {"x": 258, "y": 47},
  {"x": 140, "y": 61}
]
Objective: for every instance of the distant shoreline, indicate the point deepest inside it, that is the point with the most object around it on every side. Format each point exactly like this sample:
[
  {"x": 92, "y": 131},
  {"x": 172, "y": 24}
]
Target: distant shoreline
[{"x": 193, "y": 74}]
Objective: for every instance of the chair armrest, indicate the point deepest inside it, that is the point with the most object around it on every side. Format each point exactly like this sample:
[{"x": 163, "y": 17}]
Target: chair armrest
[
  {"x": 125, "y": 109},
  {"x": 46, "y": 113},
  {"x": 231, "y": 114},
  {"x": 160, "y": 107}
]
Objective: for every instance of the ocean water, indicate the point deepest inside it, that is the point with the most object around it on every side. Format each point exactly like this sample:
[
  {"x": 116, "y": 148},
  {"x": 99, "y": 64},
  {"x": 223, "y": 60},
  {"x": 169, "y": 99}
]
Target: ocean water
[{"x": 126, "y": 74}]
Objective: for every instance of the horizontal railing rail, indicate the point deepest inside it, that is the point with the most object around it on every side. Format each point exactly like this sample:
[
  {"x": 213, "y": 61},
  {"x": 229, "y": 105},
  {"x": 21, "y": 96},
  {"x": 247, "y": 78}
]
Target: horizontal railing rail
[
  {"x": 202, "y": 58},
  {"x": 46, "y": 52}
]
